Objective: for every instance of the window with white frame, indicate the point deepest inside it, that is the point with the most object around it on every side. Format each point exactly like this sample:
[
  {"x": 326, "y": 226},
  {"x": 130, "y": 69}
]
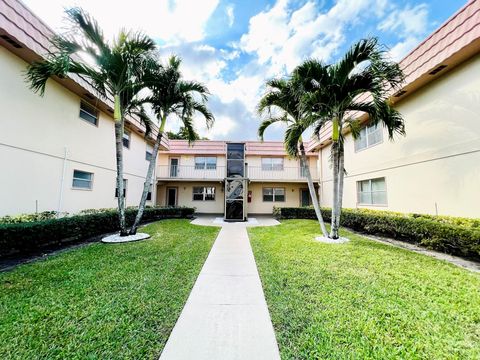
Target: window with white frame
[
  {"x": 205, "y": 162},
  {"x": 369, "y": 136},
  {"x": 204, "y": 193},
  {"x": 149, "y": 152},
  {"x": 274, "y": 194},
  {"x": 82, "y": 180},
  {"x": 88, "y": 113},
  {"x": 126, "y": 139},
  {"x": 125, "y": 182},
  {"x": 272, "y": 163},
  {"x": 372, "y": 192}
]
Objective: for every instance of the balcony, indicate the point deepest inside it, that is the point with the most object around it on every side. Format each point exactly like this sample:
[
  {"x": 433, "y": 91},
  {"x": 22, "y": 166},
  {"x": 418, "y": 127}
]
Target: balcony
[
  {"x": 190, "y": 172},
  {"x": 254, "y": 173},
  {"x": 294, "y": 174}
]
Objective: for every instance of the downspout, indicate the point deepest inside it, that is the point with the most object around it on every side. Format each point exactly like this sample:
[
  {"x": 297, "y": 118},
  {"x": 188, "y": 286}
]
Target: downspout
[{"x": 60, "y": 198}]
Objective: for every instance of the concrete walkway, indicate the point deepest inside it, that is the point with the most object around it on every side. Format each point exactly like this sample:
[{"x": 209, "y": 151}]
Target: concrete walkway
[{"x": 226, "y": 316}]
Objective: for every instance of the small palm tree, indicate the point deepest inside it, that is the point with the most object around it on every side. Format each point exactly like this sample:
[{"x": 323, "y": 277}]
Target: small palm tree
[
  {"x": 360, "y": 82},
  {"x": 172, "y": 96},
  {"x": 283, "y": 96},
  {"x": 116, "y": 69}
]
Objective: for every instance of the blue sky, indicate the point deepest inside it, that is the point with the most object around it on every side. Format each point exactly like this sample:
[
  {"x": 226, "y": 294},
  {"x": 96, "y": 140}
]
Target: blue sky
[{"x": 234, "y": 46}]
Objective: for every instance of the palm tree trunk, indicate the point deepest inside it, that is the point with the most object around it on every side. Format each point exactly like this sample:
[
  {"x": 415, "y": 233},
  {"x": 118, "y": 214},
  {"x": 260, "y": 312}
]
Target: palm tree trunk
[
  {"x": 146, "y": 186},
  {"x": 118, "y": 117},
  {"x": 119, "y": 158},
  {"x": 341, "y": 175},
  {"x": 311, "y": 188},
  {"x": 335, "y": 211}
]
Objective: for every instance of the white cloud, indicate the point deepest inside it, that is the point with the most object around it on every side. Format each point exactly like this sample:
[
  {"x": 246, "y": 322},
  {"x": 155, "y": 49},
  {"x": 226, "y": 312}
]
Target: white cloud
[
  {"x": 409, "y": 24},
  {"x": 170, "y": 21},
  {"x": 282, "y": 37},
  {"x": 409, "y": 20},
  {"x": 230, "y": 15}
]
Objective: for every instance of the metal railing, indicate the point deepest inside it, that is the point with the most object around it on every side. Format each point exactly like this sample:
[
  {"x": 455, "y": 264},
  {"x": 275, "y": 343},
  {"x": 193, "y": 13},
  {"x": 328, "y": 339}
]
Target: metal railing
[
  {"x": 190, "y": 172},
  {"x": 219, "y": 172},
  {"x": 296, "y": 173}
]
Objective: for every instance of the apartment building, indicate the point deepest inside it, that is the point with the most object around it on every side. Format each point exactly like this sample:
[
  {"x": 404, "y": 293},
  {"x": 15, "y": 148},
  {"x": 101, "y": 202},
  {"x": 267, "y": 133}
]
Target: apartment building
[
  {"x": 57, "y": 151},
  {"x": 435, "y": 169},
  {"x": 232, "y": 178}
]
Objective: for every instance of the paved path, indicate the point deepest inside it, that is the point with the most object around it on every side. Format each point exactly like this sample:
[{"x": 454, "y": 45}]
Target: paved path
[{"x": 226, "y": 316}]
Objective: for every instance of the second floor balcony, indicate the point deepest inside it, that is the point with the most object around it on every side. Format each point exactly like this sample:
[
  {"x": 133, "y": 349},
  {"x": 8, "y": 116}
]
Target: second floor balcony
[{"x": 254, "y": 173}]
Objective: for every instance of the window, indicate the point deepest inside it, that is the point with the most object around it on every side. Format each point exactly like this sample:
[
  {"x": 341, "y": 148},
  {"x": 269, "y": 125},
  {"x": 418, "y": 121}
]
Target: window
[
  {"x": 88, "y": 113},
  {"x": 148, "y": 152},
  {"x": 372, "y": 192},
  {"x": 204, "y": 193},
  {"x": 274, "y": 194},
  {"x": 272, "y": 164},
  {"x": 369, "y": 136},
  {"x": 205, "y": 162},
  {"x": 82, "y": 180},
  {"x": 126, "y": 139},
  {"x": 124, "y": 188}
]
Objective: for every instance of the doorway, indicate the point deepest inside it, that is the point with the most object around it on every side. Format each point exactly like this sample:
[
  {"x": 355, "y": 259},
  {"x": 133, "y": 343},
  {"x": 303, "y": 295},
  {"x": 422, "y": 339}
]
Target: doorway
[
  {"x": 305, "y": 199},
  {"x": 172, "y": 196},
  {"x": 174, "y": 167}
]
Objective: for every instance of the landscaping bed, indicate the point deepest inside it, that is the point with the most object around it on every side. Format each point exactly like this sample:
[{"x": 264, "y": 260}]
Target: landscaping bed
[
  {"x": 452, "y": 235},
  {"x": 363, "y": 299},
  {"x": 30, "y": 234},
  {"x": 103, "y": 301}
]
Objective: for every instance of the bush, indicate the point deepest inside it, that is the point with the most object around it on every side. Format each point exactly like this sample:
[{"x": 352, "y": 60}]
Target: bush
[
  {"x": 457, "y": 236},
  {"x": 29, "y": 237},
  {"x": 45, "y": 215}
]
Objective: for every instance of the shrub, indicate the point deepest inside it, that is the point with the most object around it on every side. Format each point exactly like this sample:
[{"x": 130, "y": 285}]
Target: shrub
[
  {"x": 29, "y": 237},
  {"x": 44, "y": 215},
  {"x": 457, "y": 236}
]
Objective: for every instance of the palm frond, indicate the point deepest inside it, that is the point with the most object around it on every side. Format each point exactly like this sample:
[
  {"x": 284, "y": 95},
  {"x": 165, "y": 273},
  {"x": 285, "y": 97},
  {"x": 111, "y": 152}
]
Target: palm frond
[{"x": 267, "y": 122}]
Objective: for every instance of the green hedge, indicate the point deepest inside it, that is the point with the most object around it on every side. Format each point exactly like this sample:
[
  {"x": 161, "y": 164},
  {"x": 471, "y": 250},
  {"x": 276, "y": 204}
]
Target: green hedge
[
  {"x": 447, "y": 234},
  {"x": 29, "y": 237}
]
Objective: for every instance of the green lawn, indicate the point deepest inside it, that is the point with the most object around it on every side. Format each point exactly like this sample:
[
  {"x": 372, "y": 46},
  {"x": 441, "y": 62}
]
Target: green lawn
[
  {"x": 364, "y": 300},
  {"x": 103, "y": 301}
]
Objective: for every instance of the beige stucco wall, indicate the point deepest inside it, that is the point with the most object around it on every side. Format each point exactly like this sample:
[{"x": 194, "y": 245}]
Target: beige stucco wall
[
  {"x": 258, "y": 206},
  {"x": 185, "y": 196},
  {"x": 35, "y": 132},
  {"x": 436, "y": 167}
]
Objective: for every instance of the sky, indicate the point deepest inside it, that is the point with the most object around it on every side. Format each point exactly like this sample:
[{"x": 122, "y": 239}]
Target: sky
[{"x": 233, "y": 47}]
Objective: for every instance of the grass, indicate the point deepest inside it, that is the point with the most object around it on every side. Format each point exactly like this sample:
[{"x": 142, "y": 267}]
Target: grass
[
  {"x": 102, "y": 301},
  {"x": 363, "y": 299}
]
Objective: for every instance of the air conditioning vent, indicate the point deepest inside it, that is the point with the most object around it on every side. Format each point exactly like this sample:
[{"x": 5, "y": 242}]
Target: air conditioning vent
[
  {"x": 11, "y": 41},
  {"x": 400, "y": 93},
  {"x": 437, "y": 69}
]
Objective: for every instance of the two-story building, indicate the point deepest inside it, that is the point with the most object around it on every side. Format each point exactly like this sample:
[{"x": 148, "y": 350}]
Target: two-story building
[
  {"x": 57, "y": 151},
  {"x": 232, "y": 178}
]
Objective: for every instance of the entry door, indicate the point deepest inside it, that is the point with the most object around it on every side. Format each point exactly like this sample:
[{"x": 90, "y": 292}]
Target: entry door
[
  {"x": 173, "y": 167},
  {"x": 172, "y": 196},
  {"x": 305, "y": 197}
]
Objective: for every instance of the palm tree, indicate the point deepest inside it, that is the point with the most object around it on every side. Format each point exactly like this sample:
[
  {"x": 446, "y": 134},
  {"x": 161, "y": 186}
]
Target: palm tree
[
  {"x": 172, "y": 96},
  {"x": 282, "y": 96},
  {"x": 359, "y": 83},
  {"x": 115, "y": 70}
]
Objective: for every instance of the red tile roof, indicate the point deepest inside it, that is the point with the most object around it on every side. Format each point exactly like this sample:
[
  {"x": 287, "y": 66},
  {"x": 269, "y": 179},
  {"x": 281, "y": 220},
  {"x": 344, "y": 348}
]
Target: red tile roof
[{"x": 213, "y": 147}]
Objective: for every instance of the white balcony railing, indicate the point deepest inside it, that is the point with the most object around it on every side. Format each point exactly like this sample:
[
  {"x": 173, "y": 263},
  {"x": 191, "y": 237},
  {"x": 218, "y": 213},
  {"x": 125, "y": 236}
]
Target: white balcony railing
[
  {"x": 286, "y": 173},
  {"x": 219, "y": 172},
  {"x": 190, "y": 172}
]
